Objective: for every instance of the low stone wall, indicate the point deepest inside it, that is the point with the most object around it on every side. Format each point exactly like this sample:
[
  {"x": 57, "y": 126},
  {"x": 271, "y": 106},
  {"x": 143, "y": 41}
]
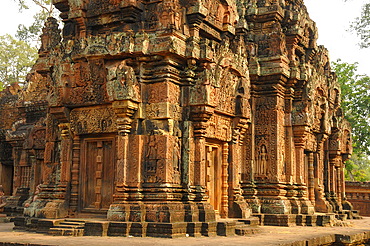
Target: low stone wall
[{"x": 358, "y": 193}]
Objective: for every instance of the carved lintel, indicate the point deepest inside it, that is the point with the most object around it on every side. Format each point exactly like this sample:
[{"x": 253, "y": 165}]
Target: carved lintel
[{"x": 124, "y": 110}]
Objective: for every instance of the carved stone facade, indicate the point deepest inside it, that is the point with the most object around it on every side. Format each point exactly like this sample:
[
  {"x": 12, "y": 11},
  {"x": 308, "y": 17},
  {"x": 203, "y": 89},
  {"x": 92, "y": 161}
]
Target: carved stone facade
[
  {"x": 181, "y": 111},
  {"x": 358, "y": 194}
]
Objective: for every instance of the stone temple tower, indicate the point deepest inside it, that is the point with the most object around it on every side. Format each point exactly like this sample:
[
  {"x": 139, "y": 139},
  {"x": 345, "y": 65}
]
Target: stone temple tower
[{"x": 173, "y": 114}]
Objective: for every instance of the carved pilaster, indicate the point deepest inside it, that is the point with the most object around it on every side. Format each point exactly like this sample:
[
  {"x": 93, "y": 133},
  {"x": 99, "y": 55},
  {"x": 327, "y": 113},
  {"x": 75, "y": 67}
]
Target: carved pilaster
[
  {"x": 300, "y": 137},
  {"x": 311, "y": 178},
  {"x": 200, "y": 116},
  {"x": 224, "y": 177},
  {"x": 124, "y": 111},
  {"x": 75, "y": 173},
  {"x": 66, "y": 148}
]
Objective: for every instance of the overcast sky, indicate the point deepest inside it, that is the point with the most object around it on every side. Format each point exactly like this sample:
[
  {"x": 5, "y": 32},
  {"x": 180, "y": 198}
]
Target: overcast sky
[{"x": 332, "y": 17}]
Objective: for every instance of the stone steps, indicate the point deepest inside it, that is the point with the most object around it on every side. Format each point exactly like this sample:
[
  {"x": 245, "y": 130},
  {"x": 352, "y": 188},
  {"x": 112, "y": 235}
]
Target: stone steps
[
  {"x": 68, "y": 228},
  {"x": 253, "y": 221},
  {"x": 248, "y": 226},
  {"x": 66, "y": 232}
]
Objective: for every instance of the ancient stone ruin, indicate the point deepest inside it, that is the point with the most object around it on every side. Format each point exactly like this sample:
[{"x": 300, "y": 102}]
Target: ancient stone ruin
[
  {"x": 358, "y": 194},
  {"x": 171, "y": 114}
]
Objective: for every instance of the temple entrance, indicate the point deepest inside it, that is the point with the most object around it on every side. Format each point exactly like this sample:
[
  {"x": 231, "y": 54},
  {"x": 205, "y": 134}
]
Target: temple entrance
[
  {"x": 97, "y": 174},
  {"x": 6, "y": 178},
  {"x": 214, "y": 176}
]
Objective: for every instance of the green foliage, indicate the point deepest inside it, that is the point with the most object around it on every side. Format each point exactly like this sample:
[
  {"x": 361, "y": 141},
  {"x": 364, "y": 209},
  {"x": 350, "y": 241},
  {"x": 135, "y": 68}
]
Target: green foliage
[
  {"x": 16, "y": 59},
  {"x": 362, "y": 26},
  {"x": 32, "y": 33},
  {"x": 356, "y": 105},
  {"x": 358, "y": 168}
]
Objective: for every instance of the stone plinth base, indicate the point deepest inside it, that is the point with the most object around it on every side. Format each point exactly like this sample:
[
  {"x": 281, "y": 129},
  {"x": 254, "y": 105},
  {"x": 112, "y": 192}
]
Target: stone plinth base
[
  {"x": 47, "y": 209},
  {"x": 297, "y": 219},
  {"x": 161, "y": 212},
  {"x": 80, "y": 227}
]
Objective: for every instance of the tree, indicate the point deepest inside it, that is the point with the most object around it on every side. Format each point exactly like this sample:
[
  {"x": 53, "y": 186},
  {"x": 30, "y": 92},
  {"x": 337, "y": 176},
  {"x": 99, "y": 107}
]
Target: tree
[
  {"x": 362, "y": 26},
  {"x": 32, "y": 32},
  {"x": 358, "y": 168},
  {"x": 16, "y": 59},
  {"x": 356, "y": 105}
]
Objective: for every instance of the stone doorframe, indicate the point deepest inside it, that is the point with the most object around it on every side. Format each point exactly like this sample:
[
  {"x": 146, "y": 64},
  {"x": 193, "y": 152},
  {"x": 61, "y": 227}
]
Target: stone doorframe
[
  {"x": 216, "y": 172},
  {"x": 97, "y": 173},
  {"x": 76, "y": 172}
]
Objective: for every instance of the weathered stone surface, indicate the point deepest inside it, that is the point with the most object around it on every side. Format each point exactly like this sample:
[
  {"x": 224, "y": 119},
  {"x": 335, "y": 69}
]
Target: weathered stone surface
[
  {"x": 179, "y": 112},
  {"x": 358, "y": 197}
]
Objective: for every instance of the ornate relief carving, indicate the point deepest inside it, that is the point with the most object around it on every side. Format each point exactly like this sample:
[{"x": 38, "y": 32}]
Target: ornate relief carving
[
  {"x": 219, "y": 127},
  {"x": 122, "y": 83},
  {"x": 170, "y": 13},
  {"x": 93, "y": 120}
]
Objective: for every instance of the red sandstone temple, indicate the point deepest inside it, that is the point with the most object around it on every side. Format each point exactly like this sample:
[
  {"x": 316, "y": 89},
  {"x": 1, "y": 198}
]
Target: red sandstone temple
[{"x": 174, "y": 114}]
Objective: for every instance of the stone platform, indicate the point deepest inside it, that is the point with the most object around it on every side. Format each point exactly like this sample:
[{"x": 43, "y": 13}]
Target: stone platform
[
  {"x": 358, "y": 232},
  {"x": 101, "y": 227}
]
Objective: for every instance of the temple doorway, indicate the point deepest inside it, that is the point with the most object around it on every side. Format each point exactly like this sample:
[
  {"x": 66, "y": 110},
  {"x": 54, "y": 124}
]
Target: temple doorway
[
  {"x": 214, "y": 176},
  {"x": 97, "y": 174},
  {"x": 6, "y": 178}
]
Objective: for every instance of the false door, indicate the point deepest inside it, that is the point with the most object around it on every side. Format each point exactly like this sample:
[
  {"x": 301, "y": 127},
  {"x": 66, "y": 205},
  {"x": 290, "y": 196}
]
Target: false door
[
  {"x": 214, "y": 176},
  {"x": 97, "y": 174}
]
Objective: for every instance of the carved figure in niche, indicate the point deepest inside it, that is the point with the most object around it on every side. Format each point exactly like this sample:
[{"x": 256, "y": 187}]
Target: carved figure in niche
[
  {"x": 105, "y": 124},
  {"x": 122, "y": 83},
  {"x": 151, "y": 160},
  {"x": 262, "y": 160},
  {"x": 176, "y": 162},
  {"x": 170, "y": 15}
]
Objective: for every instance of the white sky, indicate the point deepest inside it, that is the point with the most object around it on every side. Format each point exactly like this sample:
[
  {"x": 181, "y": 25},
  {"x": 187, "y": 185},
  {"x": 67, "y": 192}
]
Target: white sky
[{"x": 332, "y": 18}]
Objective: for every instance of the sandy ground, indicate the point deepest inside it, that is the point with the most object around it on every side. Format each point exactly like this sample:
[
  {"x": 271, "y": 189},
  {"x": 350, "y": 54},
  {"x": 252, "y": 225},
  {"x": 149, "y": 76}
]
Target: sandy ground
[{"x": 269, "y": 235}]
